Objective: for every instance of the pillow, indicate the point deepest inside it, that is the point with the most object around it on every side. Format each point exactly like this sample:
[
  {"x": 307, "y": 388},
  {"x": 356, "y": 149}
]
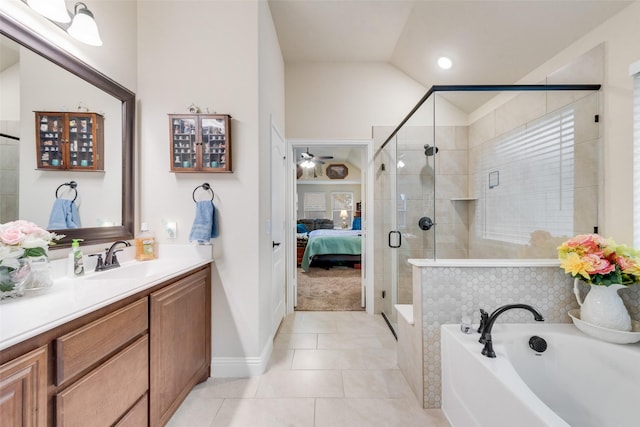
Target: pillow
[
  {"x": 301, "y": 228},
  {"x": 357, "y": 224}
]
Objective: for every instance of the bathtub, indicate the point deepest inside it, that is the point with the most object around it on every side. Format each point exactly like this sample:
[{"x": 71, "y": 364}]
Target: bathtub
[{"x": 578, "y": 381}]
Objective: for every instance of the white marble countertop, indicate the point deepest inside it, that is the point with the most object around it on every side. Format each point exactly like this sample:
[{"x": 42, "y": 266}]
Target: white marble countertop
[{"x": 70, "y": 298}]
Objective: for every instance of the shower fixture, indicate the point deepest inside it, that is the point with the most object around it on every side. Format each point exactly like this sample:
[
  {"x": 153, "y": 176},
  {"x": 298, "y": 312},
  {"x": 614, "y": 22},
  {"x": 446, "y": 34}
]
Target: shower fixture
[{"x": 430, "y": 150}]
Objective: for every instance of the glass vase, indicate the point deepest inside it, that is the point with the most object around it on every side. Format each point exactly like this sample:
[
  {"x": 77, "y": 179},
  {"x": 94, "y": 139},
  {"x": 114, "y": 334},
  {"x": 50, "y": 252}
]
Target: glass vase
[
  {"x": 12, "y": 280},
  {"x": 40, "y": 276}
]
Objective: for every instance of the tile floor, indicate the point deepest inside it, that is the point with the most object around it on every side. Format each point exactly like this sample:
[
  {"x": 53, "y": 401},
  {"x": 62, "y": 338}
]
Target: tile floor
[{"x": 327, "y": 369}]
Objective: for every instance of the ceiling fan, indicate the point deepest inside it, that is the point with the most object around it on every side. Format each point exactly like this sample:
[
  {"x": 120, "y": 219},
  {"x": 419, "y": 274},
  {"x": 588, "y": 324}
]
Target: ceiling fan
[{"x": 308, "y": 160}]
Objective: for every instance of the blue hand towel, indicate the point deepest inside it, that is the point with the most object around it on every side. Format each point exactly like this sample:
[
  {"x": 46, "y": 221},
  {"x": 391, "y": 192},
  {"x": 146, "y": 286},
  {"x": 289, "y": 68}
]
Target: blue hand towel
[
  {"x": 64, "y": 214},
  {"x": 205, "y": 224}
]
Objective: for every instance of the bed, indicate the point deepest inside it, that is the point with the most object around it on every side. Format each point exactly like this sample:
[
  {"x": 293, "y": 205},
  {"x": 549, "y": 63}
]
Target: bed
[{"x": 331, "y": 246}]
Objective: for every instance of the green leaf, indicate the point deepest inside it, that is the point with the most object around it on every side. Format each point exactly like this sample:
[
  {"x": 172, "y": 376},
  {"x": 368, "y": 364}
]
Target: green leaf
[{"x": 35, "y": 252}]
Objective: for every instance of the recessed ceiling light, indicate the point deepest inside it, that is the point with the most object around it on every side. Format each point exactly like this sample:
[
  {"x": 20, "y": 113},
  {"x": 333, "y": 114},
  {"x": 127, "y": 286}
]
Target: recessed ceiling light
[{"x": 444, "y": 63}]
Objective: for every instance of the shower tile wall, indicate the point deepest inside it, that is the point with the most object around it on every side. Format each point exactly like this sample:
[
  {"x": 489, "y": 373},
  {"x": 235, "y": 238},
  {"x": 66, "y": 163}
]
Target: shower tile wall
[
  {"x": 452, "y": 176},
  {"x": 9, "y": 156},
  {"x": 517, "y": 176},
  {"x": 448, "y": 293}
]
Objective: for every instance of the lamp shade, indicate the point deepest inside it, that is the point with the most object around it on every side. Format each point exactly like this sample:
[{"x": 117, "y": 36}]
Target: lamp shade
[
  {"x": 51, "y": 9},
  {"x": 84, "y": 27},
  {"x": 307, "y": 164},
  {"x": 344, "y": 214}
]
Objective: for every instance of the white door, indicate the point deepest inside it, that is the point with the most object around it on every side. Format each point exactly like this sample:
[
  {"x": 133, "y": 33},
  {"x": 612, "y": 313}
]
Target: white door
[{"x": 278, "y": 258}]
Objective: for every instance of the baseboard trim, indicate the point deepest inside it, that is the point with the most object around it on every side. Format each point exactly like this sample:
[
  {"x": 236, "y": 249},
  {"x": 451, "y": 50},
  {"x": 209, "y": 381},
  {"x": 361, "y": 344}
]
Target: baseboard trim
[{"x": 242, "y": 367}]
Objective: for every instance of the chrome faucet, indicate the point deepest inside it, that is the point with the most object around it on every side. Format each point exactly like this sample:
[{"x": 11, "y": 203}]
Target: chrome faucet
[
  {"x": 110, "y": 259},
  {"x": 487, "y": 321}
]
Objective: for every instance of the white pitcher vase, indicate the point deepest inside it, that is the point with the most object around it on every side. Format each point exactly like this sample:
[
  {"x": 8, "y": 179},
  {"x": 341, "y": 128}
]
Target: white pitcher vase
[{"x": 603, "y": 307}]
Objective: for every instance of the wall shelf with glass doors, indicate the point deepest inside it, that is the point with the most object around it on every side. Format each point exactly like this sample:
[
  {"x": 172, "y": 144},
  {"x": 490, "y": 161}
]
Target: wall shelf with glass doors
[
  {"x": 69, "y": 141},
  {"x": 200, "y": 143}
]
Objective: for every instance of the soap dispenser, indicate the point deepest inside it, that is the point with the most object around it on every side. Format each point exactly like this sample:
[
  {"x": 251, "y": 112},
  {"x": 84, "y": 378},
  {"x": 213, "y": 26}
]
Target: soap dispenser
[
  {"x": 76, "y": 263},
  {"x": 145, "y": 244}
]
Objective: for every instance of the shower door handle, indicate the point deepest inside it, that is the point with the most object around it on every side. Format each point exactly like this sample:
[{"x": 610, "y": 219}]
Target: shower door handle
[{"x": 399, "y": 239}]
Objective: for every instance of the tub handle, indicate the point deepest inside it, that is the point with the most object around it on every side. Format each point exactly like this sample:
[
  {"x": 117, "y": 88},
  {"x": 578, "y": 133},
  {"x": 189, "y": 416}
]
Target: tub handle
[{"x": 576, "y": 292}]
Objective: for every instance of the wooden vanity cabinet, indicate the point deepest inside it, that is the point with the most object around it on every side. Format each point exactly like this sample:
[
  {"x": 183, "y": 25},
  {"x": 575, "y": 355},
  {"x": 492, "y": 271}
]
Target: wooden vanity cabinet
[
  {"x": 23, "y": 390},
  {"x": 102, "y": 368},
  {"x": 180, "y": 343},
  {"x": 129, "y": 364},
  {"x": 69, "y": 141}
]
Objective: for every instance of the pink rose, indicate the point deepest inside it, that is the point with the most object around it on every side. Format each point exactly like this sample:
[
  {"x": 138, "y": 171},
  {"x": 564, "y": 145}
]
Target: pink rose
[
  {"x": 599, "y": 265},
  {"x": 624, "y": 262},
  {"x": 11, "y": 236}
]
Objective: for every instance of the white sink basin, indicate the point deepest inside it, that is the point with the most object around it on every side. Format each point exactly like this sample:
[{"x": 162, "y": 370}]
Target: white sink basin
[{"x": 136, "y": 270}]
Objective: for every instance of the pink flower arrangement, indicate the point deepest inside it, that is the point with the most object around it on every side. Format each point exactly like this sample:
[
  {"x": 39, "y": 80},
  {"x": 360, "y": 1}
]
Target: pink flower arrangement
[
  {"x": 599, "y": 261},
  {"x": 19, "y": 239}
]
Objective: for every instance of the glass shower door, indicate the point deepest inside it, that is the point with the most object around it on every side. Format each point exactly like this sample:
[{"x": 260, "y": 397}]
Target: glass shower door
[{"x": 406, "y": 182}]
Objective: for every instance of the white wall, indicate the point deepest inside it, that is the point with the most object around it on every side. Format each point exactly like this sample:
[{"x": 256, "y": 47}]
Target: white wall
[
  {"x": 271, "y": 108},
  {"x": 10, "y": 93},
  {"x": 207, "y": 53},
  {"x": 344, "y": 100}
]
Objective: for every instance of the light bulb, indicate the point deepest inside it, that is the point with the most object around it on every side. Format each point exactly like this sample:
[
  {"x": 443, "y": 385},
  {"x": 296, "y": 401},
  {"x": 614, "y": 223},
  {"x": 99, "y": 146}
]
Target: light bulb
[
  {"x": 444, "y": 63},
  {"x": 84, "y": 27}
]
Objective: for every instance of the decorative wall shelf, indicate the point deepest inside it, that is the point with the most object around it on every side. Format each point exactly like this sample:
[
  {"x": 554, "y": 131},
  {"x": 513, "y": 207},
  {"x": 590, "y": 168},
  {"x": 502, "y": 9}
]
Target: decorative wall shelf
[
  {"x": 69, "y": 141},
  {"x": 200, "y": 142}
]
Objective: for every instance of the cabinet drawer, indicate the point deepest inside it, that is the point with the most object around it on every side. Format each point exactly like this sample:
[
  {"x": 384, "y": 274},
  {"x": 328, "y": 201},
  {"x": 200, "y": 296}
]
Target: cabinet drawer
[
  {"x": 138, "y": 415},
  {"x": 81, "y": 349},
  {"x": 102, "y": 396}
]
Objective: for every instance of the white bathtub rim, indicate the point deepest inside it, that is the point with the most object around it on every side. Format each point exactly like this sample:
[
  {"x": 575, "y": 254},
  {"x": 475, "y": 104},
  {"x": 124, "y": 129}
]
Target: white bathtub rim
[
  {"x": 479, "y": 262},
  {"x": 499, "y": 367}
]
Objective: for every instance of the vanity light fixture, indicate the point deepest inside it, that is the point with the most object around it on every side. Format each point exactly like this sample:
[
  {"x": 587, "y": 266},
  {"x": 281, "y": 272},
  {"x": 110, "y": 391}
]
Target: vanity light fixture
[
  {"x": 84, "y": 27},
  {"x": 54, "y": 10},
  {"x": 445, "y": 63}
]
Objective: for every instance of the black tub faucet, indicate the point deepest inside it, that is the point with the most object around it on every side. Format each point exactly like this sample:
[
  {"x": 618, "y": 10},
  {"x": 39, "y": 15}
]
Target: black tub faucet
[{"x": 487, "y": 325}]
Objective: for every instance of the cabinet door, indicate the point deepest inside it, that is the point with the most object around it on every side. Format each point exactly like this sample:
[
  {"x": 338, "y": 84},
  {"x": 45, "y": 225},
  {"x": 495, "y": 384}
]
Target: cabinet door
[
  {"x": 184, "y": 130},
  {"x": 23, "y": 390},
  {"x": 215, "y": 143},
  {"x": 50, "y": 132},
  {"x": 85, "y": 130},
  {"x": 180, "y": 343}
]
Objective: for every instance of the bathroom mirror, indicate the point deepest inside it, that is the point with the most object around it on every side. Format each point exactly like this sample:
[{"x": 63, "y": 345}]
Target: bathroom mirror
[{"x": 124, "y": 221}]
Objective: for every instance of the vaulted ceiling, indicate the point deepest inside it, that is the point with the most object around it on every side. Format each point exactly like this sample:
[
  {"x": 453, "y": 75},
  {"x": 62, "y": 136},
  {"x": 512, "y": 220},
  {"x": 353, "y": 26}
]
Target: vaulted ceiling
[{"x": 490, "y": 42}]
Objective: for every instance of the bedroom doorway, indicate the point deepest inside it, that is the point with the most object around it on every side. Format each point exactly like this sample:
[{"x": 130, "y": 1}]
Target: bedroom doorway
[{"x": 330, "y": 266}]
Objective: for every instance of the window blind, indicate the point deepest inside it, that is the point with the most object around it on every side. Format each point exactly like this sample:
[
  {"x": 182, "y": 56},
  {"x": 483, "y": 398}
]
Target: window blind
[
  {"x": 529, "y": 180},
  {"x": 636, "y": 160}
]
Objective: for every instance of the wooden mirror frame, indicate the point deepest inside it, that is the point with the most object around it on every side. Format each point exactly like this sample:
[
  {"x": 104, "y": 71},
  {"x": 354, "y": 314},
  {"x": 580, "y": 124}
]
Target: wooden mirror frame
[{"x": 33, "y": 41}]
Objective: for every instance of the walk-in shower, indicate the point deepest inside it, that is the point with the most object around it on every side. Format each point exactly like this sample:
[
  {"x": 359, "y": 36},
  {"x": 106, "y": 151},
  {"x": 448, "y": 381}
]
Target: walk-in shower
[{"x": 484, "y": 172}]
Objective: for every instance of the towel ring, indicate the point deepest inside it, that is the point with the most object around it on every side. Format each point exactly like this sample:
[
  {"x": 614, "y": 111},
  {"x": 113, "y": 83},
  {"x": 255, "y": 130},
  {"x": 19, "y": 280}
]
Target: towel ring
[
  {"x": 204, "y": 186},
  {"x": 73, "y": 186}
]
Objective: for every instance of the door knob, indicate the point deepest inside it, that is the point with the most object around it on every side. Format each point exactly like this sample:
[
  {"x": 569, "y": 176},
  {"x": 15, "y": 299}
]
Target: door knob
[{"x": 274, "y": 244}]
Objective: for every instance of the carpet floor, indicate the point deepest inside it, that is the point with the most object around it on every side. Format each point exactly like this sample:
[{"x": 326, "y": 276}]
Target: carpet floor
[{"x": 336, "y": 289}]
